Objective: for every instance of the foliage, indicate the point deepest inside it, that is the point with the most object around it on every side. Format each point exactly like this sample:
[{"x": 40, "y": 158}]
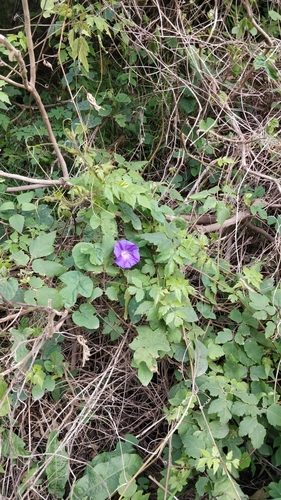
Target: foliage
[{"x": 165, "y": 145}]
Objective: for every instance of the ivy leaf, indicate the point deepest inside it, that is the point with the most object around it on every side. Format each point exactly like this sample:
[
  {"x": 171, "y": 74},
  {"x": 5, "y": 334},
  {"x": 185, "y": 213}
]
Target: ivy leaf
[
  {"x": 86, "y": 317},
  {"x": 42, "y": 245},
  {"x": 77, "y": 284},
  {"x": 57, "y": 470},
  {"x": 153, "y": 341}
]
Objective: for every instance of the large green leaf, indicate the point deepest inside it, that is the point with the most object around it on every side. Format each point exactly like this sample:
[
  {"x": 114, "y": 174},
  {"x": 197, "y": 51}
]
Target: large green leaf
[{"x": 273, "y": 414}]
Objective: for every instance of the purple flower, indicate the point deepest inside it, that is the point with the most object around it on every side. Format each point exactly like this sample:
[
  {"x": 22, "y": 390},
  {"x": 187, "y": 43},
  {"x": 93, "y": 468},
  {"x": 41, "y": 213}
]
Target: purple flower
[{"x": 127, "y": 254}]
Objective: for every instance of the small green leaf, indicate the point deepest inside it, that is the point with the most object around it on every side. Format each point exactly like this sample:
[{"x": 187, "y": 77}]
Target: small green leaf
[
  {"x": 222, "y": 212},
  {"x": 144, "y": 373},
  {"x": 274, "y": 15},
  {"x": 5, "y": 207},
  {"x": 86, "y": 316},
  {"x": 20, "y": 258},
  {"x": 112, "y": 292},
  {"x": 8, "y": 287},
  {"x": 37, "y": 392},
  {"x": 17, "y": 222}
]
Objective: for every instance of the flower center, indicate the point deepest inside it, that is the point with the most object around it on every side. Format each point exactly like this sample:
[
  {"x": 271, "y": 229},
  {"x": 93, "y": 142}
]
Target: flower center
[{"x": 125, "y": 254}]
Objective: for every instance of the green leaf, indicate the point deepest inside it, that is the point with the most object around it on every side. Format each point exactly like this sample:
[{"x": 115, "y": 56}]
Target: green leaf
[
  {"x": 43, "y": 245},
  {"x": 153, "y": 341},
  {"x": 112, "y": 292},
  {"x": 86, "y": 316},
  {"x": 222, "y": 212},
  {"x": 128, "y": 215},
  {"x": 20, "y": 258},
  {"x": 37, "y": 392},
  {"x": 17, "y": 222},
  {"x": 273, "y": 414},
  {"x": 253, "y": 350},
  {"x": 144, "y": 373},
  {"x": 219, "y": 430},
  {"x": 57, "y": 469},
  {"x": 276, "y": 17},
  {"x": 270, "y": 329},
  {"x": 200, "y": 356},
  {"x": 224, "y": 336},
  {"x": 48, "y": 268},
  {"x": 44, "y": 297},
  {"x": 12, "y": 445},
  {"x": 80, "y": 51},
  {"x": 205, "y": 310},
  {"x": 258, "y": 301},
  {"x": 77, "y": 284},
  {"x": 5, "y": 207},
  {"x": 251, "y": 427},
  {"x": 88, "y": 256},
  {"x": 8, "y": 288},
  {"x": 101, "y": 478}
]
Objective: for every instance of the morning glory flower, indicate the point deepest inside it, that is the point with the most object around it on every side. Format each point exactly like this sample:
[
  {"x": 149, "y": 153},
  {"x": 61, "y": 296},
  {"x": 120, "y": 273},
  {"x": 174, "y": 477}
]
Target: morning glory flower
[{"x": 127, "y": 254}]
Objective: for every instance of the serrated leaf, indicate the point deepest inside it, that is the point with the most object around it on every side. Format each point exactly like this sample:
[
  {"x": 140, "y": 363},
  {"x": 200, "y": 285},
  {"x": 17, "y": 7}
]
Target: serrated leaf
[
  {"x": 251, "y": 427},
  {"x": 42, "y": 245},
  {"x": 20, "y": 258},
  {"x": 273, "y": 414}
]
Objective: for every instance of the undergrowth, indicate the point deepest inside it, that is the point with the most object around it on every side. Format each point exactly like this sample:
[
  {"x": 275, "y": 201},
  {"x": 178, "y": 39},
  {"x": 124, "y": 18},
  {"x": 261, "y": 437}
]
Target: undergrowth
[{"x": 156, "y": 124}]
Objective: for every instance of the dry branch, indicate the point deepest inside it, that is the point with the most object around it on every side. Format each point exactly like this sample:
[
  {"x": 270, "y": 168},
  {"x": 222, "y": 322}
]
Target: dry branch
[{"x": 29, "y": 85}]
